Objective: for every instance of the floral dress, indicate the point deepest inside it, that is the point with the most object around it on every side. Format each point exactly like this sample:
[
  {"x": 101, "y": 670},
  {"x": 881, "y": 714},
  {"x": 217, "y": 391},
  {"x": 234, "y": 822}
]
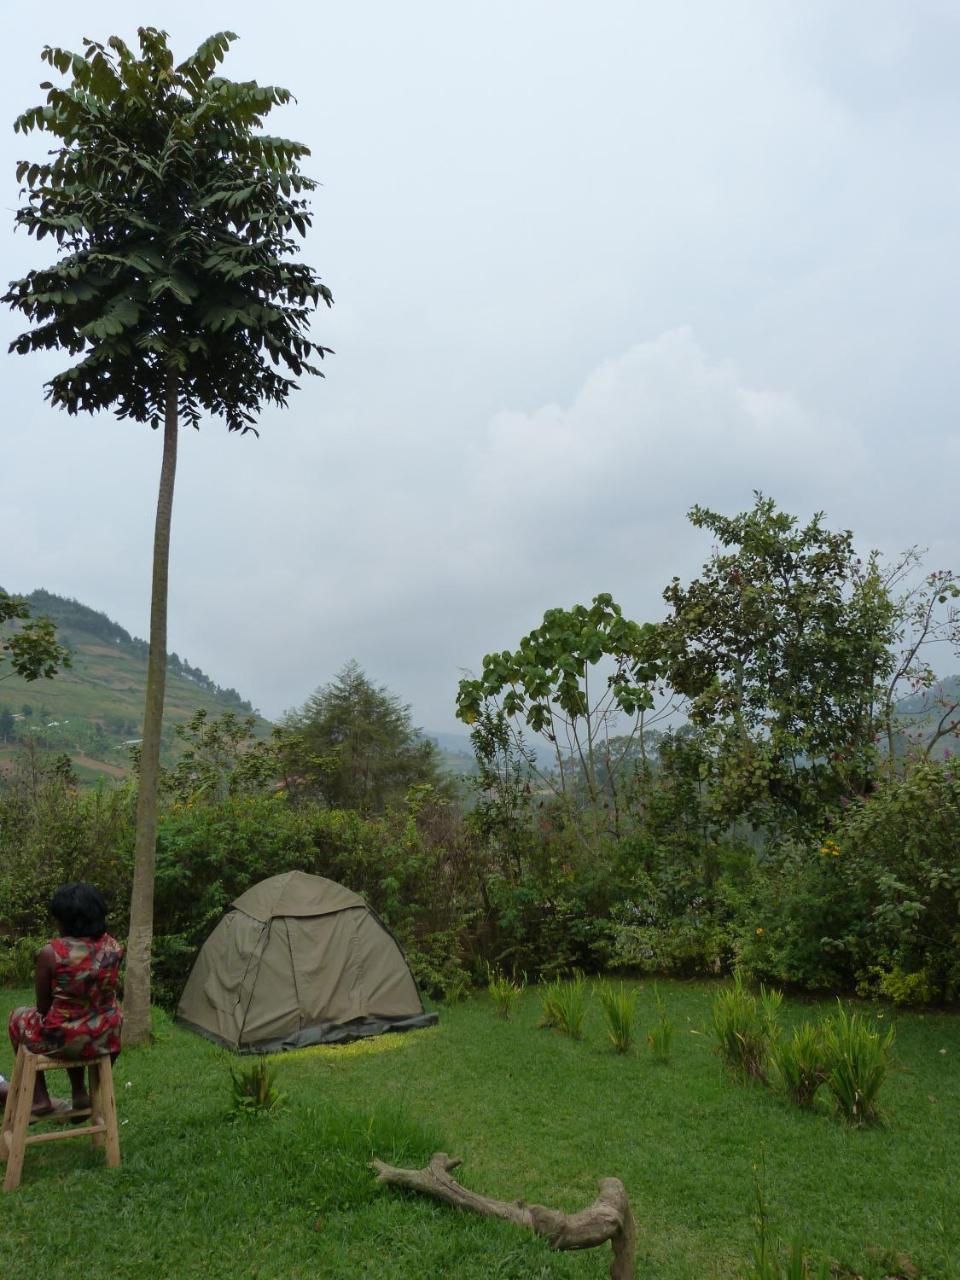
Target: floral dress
[{"x": 84, "y": 1018}]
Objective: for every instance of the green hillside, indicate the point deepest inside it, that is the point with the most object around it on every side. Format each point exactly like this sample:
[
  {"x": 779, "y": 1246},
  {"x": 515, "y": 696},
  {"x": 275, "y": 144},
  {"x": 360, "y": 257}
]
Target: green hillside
[{"x": 94, "y": 710}]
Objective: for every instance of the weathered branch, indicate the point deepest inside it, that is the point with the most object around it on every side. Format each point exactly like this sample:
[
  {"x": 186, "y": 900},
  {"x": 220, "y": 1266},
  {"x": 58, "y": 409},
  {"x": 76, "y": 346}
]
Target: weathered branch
[{"x": 608, "y": 1218}]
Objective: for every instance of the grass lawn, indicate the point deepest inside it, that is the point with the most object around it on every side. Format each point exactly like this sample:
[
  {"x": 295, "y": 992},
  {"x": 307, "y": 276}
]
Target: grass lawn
[{"x": 534, "y": 1115}]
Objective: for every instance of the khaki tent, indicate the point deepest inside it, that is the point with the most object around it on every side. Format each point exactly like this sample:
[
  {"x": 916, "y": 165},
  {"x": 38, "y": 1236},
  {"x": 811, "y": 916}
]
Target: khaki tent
[{"x": 299, "y": 960}]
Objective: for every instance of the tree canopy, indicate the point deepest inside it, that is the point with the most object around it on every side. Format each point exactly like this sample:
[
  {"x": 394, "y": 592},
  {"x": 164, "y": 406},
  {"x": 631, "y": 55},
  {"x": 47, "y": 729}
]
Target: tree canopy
[
  {"x": 175, "y": 222},
  {"x": 354, "y": 744}
]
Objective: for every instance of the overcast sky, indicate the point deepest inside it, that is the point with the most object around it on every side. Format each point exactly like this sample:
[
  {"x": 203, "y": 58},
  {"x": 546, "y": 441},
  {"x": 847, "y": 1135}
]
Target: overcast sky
[{"x": 592, "y": 264}]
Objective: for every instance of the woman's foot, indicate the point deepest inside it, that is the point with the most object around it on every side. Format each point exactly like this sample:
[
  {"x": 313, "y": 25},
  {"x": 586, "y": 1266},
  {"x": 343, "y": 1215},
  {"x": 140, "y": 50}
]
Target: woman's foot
[{"x": 81, "y": 1100}]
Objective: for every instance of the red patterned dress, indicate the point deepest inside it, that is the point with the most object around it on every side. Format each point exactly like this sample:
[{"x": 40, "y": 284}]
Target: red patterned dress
[{"x": 84, "y": 1018}]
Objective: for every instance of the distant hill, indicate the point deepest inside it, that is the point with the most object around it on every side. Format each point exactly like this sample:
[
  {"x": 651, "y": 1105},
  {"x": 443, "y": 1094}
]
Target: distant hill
[
  {"x": 456, "y": 751},
  {"x": 94, "y": 710},
  {"x": 921, "y": 713}
]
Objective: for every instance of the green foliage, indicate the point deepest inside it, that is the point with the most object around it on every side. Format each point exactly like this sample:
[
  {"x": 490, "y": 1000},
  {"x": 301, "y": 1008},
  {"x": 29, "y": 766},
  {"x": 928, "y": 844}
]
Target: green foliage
[
  {"x": 354, "y": 746},
  {"x": 253, "y": 1091},
  {"x": 857, "y": 1062},
  {"x": 798, "y": 1064},
  {"x": 50, "y": 834},
  {"x": 18, "y": 960},
  {"x": 660, "y": 1035},
  {"x": 900, "y": 987},
  {"x": 220, "y": 758},
  {"x": 504, "y": 991},
  {"x": 563, "y": 1006},
  {"x": 545, "y": 685},
  {"x": 875, "y": 905},
  {"x": 783, "y": 647},
  {"x": 174, "y": 218},
  {"x": 30, "y": 647},
  {"x": 746, "y": 1026}
]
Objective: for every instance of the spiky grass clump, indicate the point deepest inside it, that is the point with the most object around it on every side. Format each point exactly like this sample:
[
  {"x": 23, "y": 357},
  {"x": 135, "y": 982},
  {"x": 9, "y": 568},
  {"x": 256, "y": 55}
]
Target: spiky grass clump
[
  {"x": 660, "y": 1035},
  {"x": 619, "y": 1006},
  {"x": 857, "y": 1061},
  {"x": 746, "y": 1026},
  {"x": 254, "y": 1091},
  {"x": 563, "y": 1006},
  {"x": 798, "y": 1064},
  {"x": 504, "y": 991}
]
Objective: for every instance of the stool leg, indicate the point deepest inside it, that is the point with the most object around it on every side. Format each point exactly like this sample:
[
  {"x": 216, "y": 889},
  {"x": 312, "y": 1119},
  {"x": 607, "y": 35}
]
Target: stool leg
[
  {"x": 10, "y": 1106},
  {"x": 96, "y": 1100},
  {"x": 21, "y": 1119},
  {"x": 108, "y": 1110}
]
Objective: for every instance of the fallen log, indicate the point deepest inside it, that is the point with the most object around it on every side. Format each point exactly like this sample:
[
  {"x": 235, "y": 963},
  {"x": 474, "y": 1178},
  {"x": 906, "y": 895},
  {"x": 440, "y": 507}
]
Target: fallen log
[{"x": 608, "y": 1218}]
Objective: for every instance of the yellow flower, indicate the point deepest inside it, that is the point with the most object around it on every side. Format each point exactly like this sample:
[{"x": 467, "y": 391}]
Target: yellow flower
[{"x": 759, "y": 930}]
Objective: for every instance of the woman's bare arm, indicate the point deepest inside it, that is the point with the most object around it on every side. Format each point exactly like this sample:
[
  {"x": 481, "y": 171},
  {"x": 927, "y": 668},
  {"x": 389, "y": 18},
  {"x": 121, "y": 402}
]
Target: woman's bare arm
[{"x": 46, "y": 966}]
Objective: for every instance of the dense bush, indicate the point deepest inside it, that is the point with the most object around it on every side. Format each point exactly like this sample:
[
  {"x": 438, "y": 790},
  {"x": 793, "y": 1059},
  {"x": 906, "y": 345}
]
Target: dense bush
[
  {"x": 876, "y": 904},
  {"x": 208, "y": 854}
]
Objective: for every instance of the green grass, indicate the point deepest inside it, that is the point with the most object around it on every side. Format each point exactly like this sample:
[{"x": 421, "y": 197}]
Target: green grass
[{"x": 535, "y": 1115}]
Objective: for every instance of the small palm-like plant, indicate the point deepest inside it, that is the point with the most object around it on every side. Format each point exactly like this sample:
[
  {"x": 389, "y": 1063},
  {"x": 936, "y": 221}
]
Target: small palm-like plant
[
  {"x": 504, "y": 991},
  {"x": 660, "y": 1035},
  {"x": 746, "y": 1026},
  {"x": 857, "y": 1061},
  {"x": 254, "y": 1091},
  {"x": 619, "y": 1006}
]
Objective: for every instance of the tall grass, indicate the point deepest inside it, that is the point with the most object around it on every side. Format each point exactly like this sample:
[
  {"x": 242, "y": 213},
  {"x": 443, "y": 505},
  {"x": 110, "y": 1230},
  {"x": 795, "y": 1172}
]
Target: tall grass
[
  {"x": 660, "y": 1035},
  {"x": 619, "y": 1006},
  {"x": 563, "y": 1005},
  {"x": 858, "y": 1059},
  {"x": 798, "y": 1065},
  {"x": 746, "y": 1026},
  {"x": 770, "y": 1262},
  {"x": 504, "y": 991}
]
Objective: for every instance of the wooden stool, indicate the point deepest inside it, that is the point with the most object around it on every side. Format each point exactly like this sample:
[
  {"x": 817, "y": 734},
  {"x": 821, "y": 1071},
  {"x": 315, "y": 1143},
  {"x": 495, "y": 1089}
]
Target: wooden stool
[{"x": 102, "y": 1129}]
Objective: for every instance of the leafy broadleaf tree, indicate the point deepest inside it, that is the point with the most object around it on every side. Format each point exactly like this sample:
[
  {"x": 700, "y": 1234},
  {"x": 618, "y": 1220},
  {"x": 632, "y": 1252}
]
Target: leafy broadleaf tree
[
  {"x": 174, "y": 288},
  {"x": 32, "y": 649},
  {"x": 782, "y": 647},
  {"x": 595, "y": 721}
]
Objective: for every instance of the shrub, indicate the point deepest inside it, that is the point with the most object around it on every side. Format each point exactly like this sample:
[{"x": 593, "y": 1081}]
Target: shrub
[
  {"x": 504, "y": 992},
  {"x": 798, "y": 1064},
  {"x": 253, "y": 1091},
  {"x": 857, "y": 1061},
  {"x": 18, "y": 960},
  {"x": 876, "y": 904},
  {"x": 619, "y": 1006},
  {"x": 660, "y": 1035},
  {"x": 746, "y": 1026},
  {"x": 564, "y": 1006}
]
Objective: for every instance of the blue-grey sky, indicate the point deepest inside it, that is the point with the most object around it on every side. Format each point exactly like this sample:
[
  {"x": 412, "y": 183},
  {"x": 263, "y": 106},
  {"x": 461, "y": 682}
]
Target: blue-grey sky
[{"x": 592, "y": 264}]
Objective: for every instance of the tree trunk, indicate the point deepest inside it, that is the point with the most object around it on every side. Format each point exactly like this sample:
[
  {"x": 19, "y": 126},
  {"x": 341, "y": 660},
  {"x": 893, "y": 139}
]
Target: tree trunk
[
  {"x": 609, "y": 1218},
  {"x": 136, "y": 1012}
]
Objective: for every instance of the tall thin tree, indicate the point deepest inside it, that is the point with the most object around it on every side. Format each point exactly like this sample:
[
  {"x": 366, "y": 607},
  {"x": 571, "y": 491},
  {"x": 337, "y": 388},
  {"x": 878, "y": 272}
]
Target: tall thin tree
[{"x": 176, "y": 220}]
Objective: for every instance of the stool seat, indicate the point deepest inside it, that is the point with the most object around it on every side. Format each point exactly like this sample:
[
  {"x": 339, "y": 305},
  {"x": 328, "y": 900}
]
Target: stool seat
[{"x": 102, "y": 1129}]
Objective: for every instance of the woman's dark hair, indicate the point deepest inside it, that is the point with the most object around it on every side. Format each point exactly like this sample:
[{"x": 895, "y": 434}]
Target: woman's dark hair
[{"x": 80, "y": 910}]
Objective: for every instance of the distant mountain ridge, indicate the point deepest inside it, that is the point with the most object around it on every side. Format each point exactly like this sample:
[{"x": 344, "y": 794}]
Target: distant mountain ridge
[
  {"x": 72, "y": 616},
  {"x": 93, "y": 711}
]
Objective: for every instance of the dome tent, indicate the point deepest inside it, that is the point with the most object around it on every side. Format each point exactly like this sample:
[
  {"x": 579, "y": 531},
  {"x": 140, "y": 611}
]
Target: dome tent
[{"x": 299, "y": 960}]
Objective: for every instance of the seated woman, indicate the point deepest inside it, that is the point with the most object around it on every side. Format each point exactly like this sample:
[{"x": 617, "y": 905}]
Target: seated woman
[{"x": 77, "y": 1015}]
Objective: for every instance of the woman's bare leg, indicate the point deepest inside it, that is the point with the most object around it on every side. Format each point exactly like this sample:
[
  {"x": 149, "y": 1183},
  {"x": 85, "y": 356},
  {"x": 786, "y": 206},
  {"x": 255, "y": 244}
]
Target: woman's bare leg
[{"x": 81, "y": 1099}]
